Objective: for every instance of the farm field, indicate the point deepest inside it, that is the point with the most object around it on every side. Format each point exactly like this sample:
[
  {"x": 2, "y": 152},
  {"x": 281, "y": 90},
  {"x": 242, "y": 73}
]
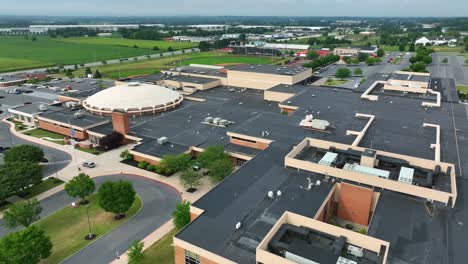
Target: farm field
[
  {"x": 156, "y": 65},
  {"x": 140, "y": 43},
  {"x": 17, "y": 52}
]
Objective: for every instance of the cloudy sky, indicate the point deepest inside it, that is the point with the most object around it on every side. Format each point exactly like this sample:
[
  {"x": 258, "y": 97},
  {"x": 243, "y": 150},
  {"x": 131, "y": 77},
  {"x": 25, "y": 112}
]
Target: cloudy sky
[{"x": 236, "y": 7}]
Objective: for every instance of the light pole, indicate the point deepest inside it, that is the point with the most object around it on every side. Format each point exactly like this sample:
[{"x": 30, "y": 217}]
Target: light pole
[{"x": 90, "y": 235}]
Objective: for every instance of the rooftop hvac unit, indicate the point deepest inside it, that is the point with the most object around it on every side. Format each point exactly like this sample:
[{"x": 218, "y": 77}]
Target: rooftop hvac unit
[
  {"x": 216, "y": 120},
  {"x": 355, "y": 251},
  {"x": 78, "y": 114},
  {"x": 342, "y": 260},
  {"x": 209, "y": 119},
  {"x": 162, "y": 140},
  {"x": 223, "y": 122},
  {"x": 42, "y": 107}
]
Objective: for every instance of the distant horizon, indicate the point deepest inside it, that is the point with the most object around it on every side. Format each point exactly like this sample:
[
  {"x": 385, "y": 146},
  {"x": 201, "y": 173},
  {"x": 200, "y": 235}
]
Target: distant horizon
[{"x": 286, "y": 8}]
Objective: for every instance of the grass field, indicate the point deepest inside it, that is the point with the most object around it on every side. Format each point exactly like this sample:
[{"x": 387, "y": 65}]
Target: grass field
[
  {"x": 447, "y": 49},
  {"x": 156, "y": 65},
  {"x": 41, "y": 133},
  {"x": 42, "y": 187},
  {"x": 161, "y": 251},
  {"x": 463, "y": 88},
  {"x": 18, "y": 53},
  {"x": 146, "y": 44},
  {"x": 68, "y": 227},
  {"x": 333, "y": 82}
]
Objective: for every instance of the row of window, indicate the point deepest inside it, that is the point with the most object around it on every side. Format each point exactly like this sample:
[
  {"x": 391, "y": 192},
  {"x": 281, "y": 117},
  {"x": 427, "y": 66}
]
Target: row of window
[{"x": 191, "y": 258}]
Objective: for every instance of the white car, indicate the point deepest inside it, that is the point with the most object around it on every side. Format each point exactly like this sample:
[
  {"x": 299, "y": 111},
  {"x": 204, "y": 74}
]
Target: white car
[{"x": 89, "y": 164}]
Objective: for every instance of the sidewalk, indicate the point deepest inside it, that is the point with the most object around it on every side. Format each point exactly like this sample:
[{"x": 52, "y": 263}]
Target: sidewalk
[{"x": 109, "y": 163}]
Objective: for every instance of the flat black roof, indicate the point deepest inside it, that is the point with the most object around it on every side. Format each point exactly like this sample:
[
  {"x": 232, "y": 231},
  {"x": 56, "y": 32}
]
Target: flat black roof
[
  {"x": 285, "y": 88},
  {"x": 398, "y": 128},
  {"x": 34, "y": 108},
  {"x": 243, "y": 197},
  {"x": 68, "y": 117},
  {"x": 269, "y": 69},
  {"x": 153, "y": 148},
  {"x": 409, "y": 77}
]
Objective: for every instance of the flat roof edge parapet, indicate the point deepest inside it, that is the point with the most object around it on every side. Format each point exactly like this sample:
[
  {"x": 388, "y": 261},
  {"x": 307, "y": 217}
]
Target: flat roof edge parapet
[{"x": 446, "y": 197}]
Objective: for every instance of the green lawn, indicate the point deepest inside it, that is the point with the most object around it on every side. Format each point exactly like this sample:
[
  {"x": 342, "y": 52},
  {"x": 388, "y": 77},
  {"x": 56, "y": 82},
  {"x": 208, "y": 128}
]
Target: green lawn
[
  {"x": 150, "y": 66},
  {"x": 463, "y": 88},
  {"x": 447, "y": 49},
  {"x": 68, "y": 227},
  {"x": 42, "y": 187},
  {"x": 335, "y": 82},
  {"x": 18, "y": 125},
  {"x": 41, "y": 133},
  {"x": 146, "y": 44},
  {"x": 161, "y": 251},
  {"x": 91, "y": 150},
  {"x": 18, "y": 53}
]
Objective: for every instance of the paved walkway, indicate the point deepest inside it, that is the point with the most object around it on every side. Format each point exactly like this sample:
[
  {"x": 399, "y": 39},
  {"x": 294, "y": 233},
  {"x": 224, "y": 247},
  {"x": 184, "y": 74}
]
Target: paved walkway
[{"x": 109, "y": 164}]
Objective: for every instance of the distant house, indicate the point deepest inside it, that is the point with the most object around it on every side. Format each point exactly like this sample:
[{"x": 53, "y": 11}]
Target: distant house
[{"x": 436, "y": 41}]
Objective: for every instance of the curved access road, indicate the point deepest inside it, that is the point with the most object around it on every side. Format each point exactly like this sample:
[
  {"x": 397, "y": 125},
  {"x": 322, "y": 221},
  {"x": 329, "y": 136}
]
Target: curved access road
[
  {"x": 158, "y": 202},
  {"x": 58, "y": 159}
]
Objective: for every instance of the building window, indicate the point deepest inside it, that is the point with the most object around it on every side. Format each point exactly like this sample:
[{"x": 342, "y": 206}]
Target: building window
[{"x": 191, "y": 258}]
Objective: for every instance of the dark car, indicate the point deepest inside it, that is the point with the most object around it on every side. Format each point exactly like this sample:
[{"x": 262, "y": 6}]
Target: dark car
[
  {"x": 3, "y": 149},
  {"x": 27, "y": 91}
]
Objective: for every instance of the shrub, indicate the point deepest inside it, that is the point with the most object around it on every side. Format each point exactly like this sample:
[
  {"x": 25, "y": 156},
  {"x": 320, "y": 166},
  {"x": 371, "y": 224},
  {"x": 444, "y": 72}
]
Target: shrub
[
  {"x": 363, "y": 231},
  {"x": 151, "y": 167},
  {"x": 143, "y": 164},
  {"x": 349, "y": 226},
  {"x": 126, "y": 155}
]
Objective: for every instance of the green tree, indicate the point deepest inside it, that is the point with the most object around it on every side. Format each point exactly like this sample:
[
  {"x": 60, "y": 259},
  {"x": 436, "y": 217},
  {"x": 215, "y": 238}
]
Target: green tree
[
  {"x": 402, "y": 47},
  {"x": 126, "y": 155},
  {"x": 204, "y": 46},
  {"x": 97, "y": 74},
  {"x": 444, "y": 60},
  {"x": 211, "y": 154},
  {"x": 116, "y": 197},
  {"x": 155, "y": 48},
  {"x": 88, "y": 71},
  {"x": 27, "y": 246},
  {"x": 18, "y": 176},
  {"x": 357, "y": 71},
  {"x": 190, "y": 179},
  {"x": 104, "y": 62},
  {"x": 362, "y": 56},
  {"x": 34, "y": 38},
  {"x": 176, "y": 162},
  {"x": 181, "y": 214},
  {"x": 380, "y": 52},
  {"x": 312, "y": 55},
  {"x": 428, "y": 60},
  {"x": 80, "y": 186},
  {"x": 220, "y": 169},
  {"x": 418, "y": 67},
  {"x": 135, "y": 252},
  {"x": 343, "y": 73},
  {"x": 370, "y": 61},
  {"x": 170, "y": 49},
  {"x": 26, "y": 153},
  {"x": 411, "y": 47},
  {"x": 75, "y": 67},
  {"x": 22, "y": 213}
]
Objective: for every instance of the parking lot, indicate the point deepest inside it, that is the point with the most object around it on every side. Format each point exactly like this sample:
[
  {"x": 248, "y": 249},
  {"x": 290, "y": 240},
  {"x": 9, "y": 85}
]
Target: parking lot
[{"x": 454, "y": 68}]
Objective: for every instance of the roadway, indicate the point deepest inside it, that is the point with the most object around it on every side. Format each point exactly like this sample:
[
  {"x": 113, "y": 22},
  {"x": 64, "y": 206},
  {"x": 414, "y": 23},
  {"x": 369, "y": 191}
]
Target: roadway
[
  {"x": 158, "y": 202},
  {"x": 60, "y": 159},
  {"x": 112, "y": 61}
]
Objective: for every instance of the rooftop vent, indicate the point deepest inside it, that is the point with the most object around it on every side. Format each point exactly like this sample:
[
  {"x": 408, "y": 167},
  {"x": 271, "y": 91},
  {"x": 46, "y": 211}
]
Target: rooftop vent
[
  {"x": 42, "y": 107},
  {"x": 78, "y": 114},
  {"x": 162, "y": 140}
]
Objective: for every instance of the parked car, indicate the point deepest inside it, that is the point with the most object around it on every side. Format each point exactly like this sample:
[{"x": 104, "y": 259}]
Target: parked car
[
  {"x": 89, "y": 164},
  {"x": 3, "y": 149},
  {"x": 27, "y": 91}
]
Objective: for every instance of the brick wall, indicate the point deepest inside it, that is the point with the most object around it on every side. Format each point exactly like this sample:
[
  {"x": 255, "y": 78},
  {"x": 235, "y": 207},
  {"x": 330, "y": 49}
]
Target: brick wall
[
  {"x": 80, "y": 135},
  {"x": 255, "y": 145},
  {"x": 150, "y": 161},
  {"x": 355, "y": 204},
  {"x": 120, "y": 123},
  {"x": 179, "y": 257}
]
